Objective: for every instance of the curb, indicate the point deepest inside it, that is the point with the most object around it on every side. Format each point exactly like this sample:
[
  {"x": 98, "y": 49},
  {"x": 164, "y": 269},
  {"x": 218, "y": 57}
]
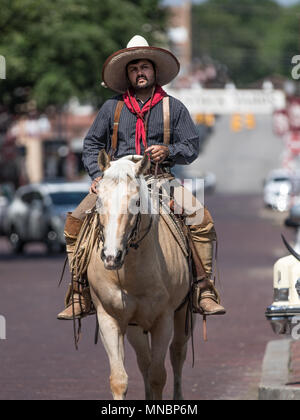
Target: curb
[{"x": 275, "y": 373}]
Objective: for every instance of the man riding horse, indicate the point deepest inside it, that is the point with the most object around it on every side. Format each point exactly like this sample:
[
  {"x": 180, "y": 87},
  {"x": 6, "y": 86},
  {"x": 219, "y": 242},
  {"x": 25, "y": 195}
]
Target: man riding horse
[{"x": 137, "y": 73}]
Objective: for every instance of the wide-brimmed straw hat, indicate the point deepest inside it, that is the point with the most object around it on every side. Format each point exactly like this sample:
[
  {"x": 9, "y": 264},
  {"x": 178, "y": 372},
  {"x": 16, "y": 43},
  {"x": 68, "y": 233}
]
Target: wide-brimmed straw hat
[{"x": 114, "y": 70}]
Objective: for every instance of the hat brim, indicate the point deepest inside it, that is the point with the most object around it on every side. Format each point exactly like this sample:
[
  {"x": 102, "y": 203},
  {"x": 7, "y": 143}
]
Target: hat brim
[{"x": 114, "y": 70}]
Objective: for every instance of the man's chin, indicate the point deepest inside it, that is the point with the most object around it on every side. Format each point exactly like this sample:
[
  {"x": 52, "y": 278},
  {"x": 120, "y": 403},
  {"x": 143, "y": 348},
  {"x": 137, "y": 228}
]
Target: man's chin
[{"x": 143, "y": 86}]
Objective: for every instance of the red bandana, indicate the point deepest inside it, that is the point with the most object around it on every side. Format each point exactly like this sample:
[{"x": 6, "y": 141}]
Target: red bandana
[{"x": 133, "y": 107}]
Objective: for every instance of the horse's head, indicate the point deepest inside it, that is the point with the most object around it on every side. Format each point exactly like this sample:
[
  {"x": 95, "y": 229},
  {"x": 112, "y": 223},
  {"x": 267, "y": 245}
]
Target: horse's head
[{"x": 122, "y": 193}]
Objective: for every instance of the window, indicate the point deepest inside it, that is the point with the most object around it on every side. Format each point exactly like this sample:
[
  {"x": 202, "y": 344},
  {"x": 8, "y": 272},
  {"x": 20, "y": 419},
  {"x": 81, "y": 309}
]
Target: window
[{"x": 67, "y": 198}]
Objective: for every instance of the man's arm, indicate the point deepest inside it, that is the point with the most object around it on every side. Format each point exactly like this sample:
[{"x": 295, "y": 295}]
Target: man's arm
[
  {"x": 185, "y": 146},
  {"x": 96, "y": 139}
]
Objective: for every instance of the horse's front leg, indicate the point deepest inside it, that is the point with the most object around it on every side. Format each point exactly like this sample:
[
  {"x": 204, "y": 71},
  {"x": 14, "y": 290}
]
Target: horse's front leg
[
  {"x": 161, "y": 334},
  {"x": 178, "y": 350},
  {"x": 140, "y": 343},
  {"x": 113, "y": 340}
]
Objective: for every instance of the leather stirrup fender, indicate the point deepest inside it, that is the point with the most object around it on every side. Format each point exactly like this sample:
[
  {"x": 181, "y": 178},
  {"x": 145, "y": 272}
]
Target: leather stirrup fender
[{"x": 72, "y": 226}]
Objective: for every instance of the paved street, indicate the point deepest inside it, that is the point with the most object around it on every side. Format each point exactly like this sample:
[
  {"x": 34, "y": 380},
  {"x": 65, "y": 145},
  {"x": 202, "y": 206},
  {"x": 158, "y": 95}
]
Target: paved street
[
  {"x": 240, "y": 160},
  {"x": 38, "y": 359}
]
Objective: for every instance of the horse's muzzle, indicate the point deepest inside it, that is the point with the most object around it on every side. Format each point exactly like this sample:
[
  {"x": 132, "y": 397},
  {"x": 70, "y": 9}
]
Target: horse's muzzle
[{"x": 112, "y": 262}]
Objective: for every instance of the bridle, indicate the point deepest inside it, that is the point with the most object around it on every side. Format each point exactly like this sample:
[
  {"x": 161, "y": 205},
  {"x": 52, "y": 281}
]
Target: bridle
[{"x": 132, "y": 241}]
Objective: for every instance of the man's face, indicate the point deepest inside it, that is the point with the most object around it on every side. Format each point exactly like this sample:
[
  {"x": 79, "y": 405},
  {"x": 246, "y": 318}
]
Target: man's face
[{"x": 141, "y": 74}]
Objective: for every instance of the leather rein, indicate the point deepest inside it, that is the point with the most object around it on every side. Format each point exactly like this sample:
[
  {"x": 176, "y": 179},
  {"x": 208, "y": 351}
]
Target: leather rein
[{"x": 132, "y": 241}]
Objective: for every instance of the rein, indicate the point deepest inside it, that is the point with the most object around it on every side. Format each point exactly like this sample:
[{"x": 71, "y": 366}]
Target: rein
[{"x": 131, "y": 242}]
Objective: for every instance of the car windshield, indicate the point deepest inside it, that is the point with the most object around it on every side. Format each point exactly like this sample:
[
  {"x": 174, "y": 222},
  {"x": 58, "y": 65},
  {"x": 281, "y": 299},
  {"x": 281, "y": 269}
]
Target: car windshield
[
  {"x": 67, "y": 198},
  {"x": 281, "y": 179}
]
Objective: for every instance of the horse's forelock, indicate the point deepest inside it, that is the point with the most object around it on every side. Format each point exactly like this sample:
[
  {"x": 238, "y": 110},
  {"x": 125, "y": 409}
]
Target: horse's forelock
[
  {"x": 124, "y": 171},
  {"x": 120, "y": 171}
]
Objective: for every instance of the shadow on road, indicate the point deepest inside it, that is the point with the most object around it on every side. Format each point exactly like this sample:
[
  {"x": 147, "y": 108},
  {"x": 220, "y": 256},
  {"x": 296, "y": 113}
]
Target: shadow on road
[
  {"x": 34, "y": 251},
  {"x": 31, "y": 256}
]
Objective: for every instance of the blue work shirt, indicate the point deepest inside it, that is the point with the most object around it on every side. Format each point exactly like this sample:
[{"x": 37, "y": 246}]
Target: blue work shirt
[{"x": 184, "y": 139}]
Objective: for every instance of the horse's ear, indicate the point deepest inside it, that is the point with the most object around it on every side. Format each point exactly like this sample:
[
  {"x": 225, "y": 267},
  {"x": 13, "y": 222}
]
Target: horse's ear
[
  {"x": 142, "y": 166},
  {"x": 103, "y": 160}
]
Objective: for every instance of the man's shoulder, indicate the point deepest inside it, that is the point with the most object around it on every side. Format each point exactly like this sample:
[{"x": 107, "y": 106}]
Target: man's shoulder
[
  {"x": 113, "y": 100},
  {"x": 110, "y": 104}
]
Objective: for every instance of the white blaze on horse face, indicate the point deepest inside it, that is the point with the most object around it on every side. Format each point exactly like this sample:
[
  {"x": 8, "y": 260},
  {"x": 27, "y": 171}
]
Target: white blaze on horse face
[
  {"x": 112, "y": 238},
  {"x": 117, "y": 205}
]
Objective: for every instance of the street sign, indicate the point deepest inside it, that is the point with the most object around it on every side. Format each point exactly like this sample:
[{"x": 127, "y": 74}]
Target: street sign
[
  {"x": 236, "y": 123},
  {"x": 206, "y": 119},
  {"x": 230, "y": 101}
]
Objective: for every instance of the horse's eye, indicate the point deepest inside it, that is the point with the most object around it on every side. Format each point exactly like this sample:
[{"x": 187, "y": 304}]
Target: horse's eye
[{"x": 138, "y": 203}]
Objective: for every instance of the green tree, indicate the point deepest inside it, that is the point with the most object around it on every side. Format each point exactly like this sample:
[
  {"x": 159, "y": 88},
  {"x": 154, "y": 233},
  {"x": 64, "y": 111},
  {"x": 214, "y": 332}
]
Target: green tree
[
  {"x": 253, "y": 38},
  {"x": 55, "y": 49}
]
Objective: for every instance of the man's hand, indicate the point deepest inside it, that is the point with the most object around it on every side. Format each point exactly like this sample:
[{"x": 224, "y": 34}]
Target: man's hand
[
  {"x": 93, "y": 188},
  {"x": 158, "y": 153}
]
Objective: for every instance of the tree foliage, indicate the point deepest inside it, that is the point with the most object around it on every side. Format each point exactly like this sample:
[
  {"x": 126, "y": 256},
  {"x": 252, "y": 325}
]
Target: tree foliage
[
  {"x": 55, "y": 50},
  {"x": 253, "y": 38}
]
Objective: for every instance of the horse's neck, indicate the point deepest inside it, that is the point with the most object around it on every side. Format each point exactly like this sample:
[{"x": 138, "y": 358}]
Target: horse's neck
[
  {"x": 148, "y": 229},
  {"x": 145, "y": 223}
]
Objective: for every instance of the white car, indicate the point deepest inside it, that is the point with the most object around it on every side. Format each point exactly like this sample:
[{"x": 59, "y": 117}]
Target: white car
[
  {"x": 38, "y": 213},
  {"x": 6, "y": 195},
  {"x": 284, "y": 313},
  {"x": 278, "y": 189}
]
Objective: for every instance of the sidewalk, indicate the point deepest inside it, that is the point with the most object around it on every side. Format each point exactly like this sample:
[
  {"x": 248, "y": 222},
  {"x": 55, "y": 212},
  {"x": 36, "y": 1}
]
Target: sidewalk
[{"x": 281, "y": 371}]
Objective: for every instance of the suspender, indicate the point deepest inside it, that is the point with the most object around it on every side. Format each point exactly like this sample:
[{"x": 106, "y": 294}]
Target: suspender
[
  {"x": 114, "y": 138},
  {"x": 166, "y": 115},
  {"x": 166, "y": 112}
]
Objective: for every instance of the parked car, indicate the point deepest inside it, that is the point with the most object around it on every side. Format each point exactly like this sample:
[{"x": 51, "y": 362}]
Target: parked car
[
  {"x": 284, "y": 312},
  {"x": 278, "y": 190},
  {"x": 293, "y": 219},
  {"x": 38, "y": 212},
  {"x": 6, "y": 195}
]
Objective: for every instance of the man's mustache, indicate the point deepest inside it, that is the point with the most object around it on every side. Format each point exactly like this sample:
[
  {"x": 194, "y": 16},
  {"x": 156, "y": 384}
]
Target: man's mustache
[{"x": 141, "y": 77}]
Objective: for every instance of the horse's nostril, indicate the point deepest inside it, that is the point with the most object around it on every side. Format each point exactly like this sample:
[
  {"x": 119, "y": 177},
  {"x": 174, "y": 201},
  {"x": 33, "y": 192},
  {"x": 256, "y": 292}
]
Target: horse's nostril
[
  {"x": 119, "y": 256},
  {"x": 110, "y": 259}
]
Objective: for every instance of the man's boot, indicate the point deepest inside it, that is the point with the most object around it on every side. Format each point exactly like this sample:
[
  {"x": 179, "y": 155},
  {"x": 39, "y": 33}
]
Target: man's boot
[
  {"x": 206, "y": 299},
  {"x": 80, "y": 304}
]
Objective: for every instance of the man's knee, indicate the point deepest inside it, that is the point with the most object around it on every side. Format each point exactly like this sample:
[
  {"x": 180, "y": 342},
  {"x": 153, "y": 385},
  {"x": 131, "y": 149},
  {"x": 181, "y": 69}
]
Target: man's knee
[
  {"x": 205, "y": 230},
  {"x": 86, "y": 204}
]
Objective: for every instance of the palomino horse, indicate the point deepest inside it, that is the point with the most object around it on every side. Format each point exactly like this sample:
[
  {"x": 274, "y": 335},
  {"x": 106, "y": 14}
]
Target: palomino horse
[{"x": 142, "y": 286}]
